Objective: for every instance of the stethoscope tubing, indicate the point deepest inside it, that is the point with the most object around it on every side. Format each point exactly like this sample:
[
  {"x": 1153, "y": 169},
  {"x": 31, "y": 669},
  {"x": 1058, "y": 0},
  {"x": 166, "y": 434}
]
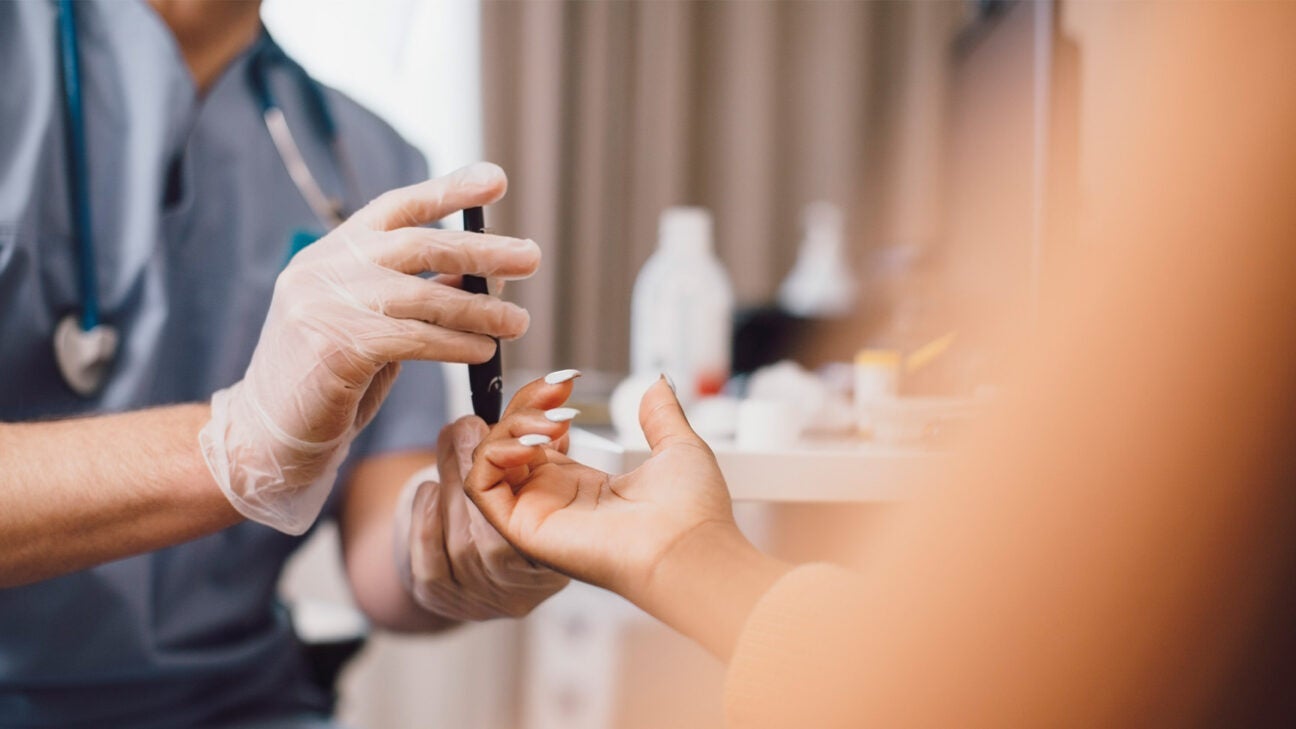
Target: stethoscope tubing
[
  {"x": 78, "y": 167},
  {"x": 329, "y": 212}
]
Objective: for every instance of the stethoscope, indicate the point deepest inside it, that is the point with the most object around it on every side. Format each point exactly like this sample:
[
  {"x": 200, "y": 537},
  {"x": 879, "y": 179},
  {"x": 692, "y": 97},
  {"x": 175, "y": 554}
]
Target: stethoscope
[{"x": 84, "y": 345}]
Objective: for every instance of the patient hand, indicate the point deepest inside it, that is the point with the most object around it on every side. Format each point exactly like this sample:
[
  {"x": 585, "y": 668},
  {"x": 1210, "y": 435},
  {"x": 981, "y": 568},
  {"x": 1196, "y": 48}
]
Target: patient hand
[{"x": 611, "y": 531}]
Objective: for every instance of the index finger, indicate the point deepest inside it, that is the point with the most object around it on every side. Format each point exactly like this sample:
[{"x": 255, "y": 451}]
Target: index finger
[
  {"x": 545, "y": 393},
  {"x": 480, "y": 183},
  {"x": 418, "y": 250}
]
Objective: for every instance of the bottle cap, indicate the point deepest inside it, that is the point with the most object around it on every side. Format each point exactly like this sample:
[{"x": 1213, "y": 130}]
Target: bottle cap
[
  {"x": 877, "y": 358},
  {"x": 685, "y": 229}
]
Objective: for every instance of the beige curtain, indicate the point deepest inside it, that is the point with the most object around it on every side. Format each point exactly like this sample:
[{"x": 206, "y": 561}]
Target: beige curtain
[{"x": 604, "y": 113}]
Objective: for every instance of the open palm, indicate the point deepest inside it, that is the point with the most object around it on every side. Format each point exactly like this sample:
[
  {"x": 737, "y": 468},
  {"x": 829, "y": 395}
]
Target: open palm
[{"x": 607, "y": 530}]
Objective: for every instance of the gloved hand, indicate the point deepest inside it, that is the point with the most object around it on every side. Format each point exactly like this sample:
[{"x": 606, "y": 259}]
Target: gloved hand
[
  {"x": 346, "y": 311},
  {"x": 452, "y": 561}
]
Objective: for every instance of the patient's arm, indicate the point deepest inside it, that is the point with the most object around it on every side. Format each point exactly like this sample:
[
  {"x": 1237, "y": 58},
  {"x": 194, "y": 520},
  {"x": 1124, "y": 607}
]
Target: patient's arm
[
  {"x": 639, "y": 534},
  {"x": 1110, "y": 542}
]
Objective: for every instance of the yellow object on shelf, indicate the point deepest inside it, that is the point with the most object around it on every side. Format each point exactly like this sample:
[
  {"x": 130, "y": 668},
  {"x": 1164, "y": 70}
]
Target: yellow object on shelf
[
  {"x": 878, "y": 358},
  {"x": 928, "y": 353}
]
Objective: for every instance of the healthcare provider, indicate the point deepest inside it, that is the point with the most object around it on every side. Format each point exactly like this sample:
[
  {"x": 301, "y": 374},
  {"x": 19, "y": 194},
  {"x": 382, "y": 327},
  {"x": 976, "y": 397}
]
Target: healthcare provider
[{"x": 186, "y": 372}]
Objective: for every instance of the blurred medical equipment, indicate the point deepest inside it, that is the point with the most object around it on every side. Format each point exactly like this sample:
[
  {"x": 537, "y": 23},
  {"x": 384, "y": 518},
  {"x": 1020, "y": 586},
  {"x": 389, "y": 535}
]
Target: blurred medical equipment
[
  {"x": 767, "y": 424},
  {"x": 816, "y": 407},
  {"x": 624, "y": 407},
  {"x": 883, "y": 375},
  {"x": 817, "y": 317},
  {"x": 919, "y": 421},
  {"x": 85, "y": 346},
  {"x": 877, "y": 377},
  {"x": 928, "y": 353},
  {"x": 821, "y": 283},
  {"x": 715, "y": 417},
  {"x": 681, "y": 315}
]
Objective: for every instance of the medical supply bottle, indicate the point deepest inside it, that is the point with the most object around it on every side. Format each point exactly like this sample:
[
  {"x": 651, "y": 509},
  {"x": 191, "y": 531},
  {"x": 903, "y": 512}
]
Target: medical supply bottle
[
  {"x": 820, "y": 285},
  {"x": 681, "y": 313}
]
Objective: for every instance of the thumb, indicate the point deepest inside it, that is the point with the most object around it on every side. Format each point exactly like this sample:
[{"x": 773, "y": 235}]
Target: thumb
[
  {"x": 468, "y": 433},
  {"x": 662, "y": 418}
]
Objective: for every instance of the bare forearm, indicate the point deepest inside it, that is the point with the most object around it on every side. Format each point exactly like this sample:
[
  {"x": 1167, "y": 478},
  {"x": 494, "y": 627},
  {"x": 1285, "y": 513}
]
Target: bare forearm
[{"x": 77, "y": 493}]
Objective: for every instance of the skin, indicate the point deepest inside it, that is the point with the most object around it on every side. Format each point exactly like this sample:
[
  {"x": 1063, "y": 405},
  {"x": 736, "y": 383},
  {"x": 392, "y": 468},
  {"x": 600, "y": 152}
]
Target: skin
[
  {"x": 210, "y": 33},
  {"x": 81, "y": 492},
  {"x": 635, "y": 533},
  {"x": 1112, "y": 546},
  {"x": 76, "y": 493}
]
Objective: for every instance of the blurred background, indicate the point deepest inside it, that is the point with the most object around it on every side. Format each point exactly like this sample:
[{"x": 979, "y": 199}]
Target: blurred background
[{"x": 905, "y": 156}]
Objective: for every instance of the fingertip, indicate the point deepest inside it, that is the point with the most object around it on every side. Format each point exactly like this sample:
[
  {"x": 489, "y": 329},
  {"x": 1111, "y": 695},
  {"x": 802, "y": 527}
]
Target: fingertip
[
  {"x": 561, "y": 415},
  {"x": 488, "y": 177},
  {"x": 481, "y": 349},
  {"x": 524, "y": 260},
  {"x": 543, "y": 394},
  {"x": 519, "y": 322},
  {"x": 660, "y": 413},
  {"x": 561, "y": 376},
  {"x": 468, "y": 431},
  {"x": 660, "y": 392}
]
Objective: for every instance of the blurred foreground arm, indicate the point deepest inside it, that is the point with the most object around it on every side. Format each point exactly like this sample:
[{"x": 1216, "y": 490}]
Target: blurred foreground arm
[
  {"x": 1115, "y": 549},
  {"x": 1114, "y": 546}
]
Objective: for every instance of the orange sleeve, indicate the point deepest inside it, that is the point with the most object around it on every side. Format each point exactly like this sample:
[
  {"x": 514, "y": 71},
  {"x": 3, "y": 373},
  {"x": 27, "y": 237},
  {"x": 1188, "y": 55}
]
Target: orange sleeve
[{"x": 792, "y": 662}]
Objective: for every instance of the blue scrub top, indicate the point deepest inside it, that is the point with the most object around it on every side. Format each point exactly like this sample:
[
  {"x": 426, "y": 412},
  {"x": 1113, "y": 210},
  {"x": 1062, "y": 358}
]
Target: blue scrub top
[{"x": 190, "y": 635}]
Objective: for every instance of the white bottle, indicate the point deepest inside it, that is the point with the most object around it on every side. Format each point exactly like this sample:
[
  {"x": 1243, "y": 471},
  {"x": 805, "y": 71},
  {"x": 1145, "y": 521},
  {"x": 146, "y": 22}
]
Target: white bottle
[
  {"x": 681, "y": 314},
  {"x": 820, "y": 284}
]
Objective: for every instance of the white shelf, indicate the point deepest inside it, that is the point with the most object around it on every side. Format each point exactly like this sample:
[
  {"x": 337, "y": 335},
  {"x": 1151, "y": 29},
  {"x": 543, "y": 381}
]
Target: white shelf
[{"x": 809, "y": 471}]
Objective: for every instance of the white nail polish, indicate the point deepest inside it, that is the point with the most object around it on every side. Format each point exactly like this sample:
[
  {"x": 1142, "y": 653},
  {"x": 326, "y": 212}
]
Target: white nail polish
[
  {"x": 669, "y": 382},
  {"x": 561, "y": 415},
  {"x": 534, "y": 439},
  {"x": 561, "y": 376}
]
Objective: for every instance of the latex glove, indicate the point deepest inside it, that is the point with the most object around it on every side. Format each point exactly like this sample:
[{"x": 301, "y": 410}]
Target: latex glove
[
  {"x": 610, "y": 531},
  {"x": 452, "y": 561},
  {"x": 345, "y": 312}
]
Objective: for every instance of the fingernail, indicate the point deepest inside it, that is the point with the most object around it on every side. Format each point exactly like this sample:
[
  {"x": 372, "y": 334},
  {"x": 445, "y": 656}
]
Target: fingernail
[
  {"x": 534, "y": 439},
  {"x": 669, "y": 382},
  {"x": 561, "y": 415},
  {"x": 561, "y": 376}
]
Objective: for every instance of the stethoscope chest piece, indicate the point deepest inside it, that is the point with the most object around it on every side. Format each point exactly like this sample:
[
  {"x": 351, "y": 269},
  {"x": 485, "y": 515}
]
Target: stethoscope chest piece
[{"x": 84, "y": 356}]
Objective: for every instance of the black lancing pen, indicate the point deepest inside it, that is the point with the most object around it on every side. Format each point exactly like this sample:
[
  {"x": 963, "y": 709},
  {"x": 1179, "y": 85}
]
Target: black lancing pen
[{"x": 487, "y": 378}]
